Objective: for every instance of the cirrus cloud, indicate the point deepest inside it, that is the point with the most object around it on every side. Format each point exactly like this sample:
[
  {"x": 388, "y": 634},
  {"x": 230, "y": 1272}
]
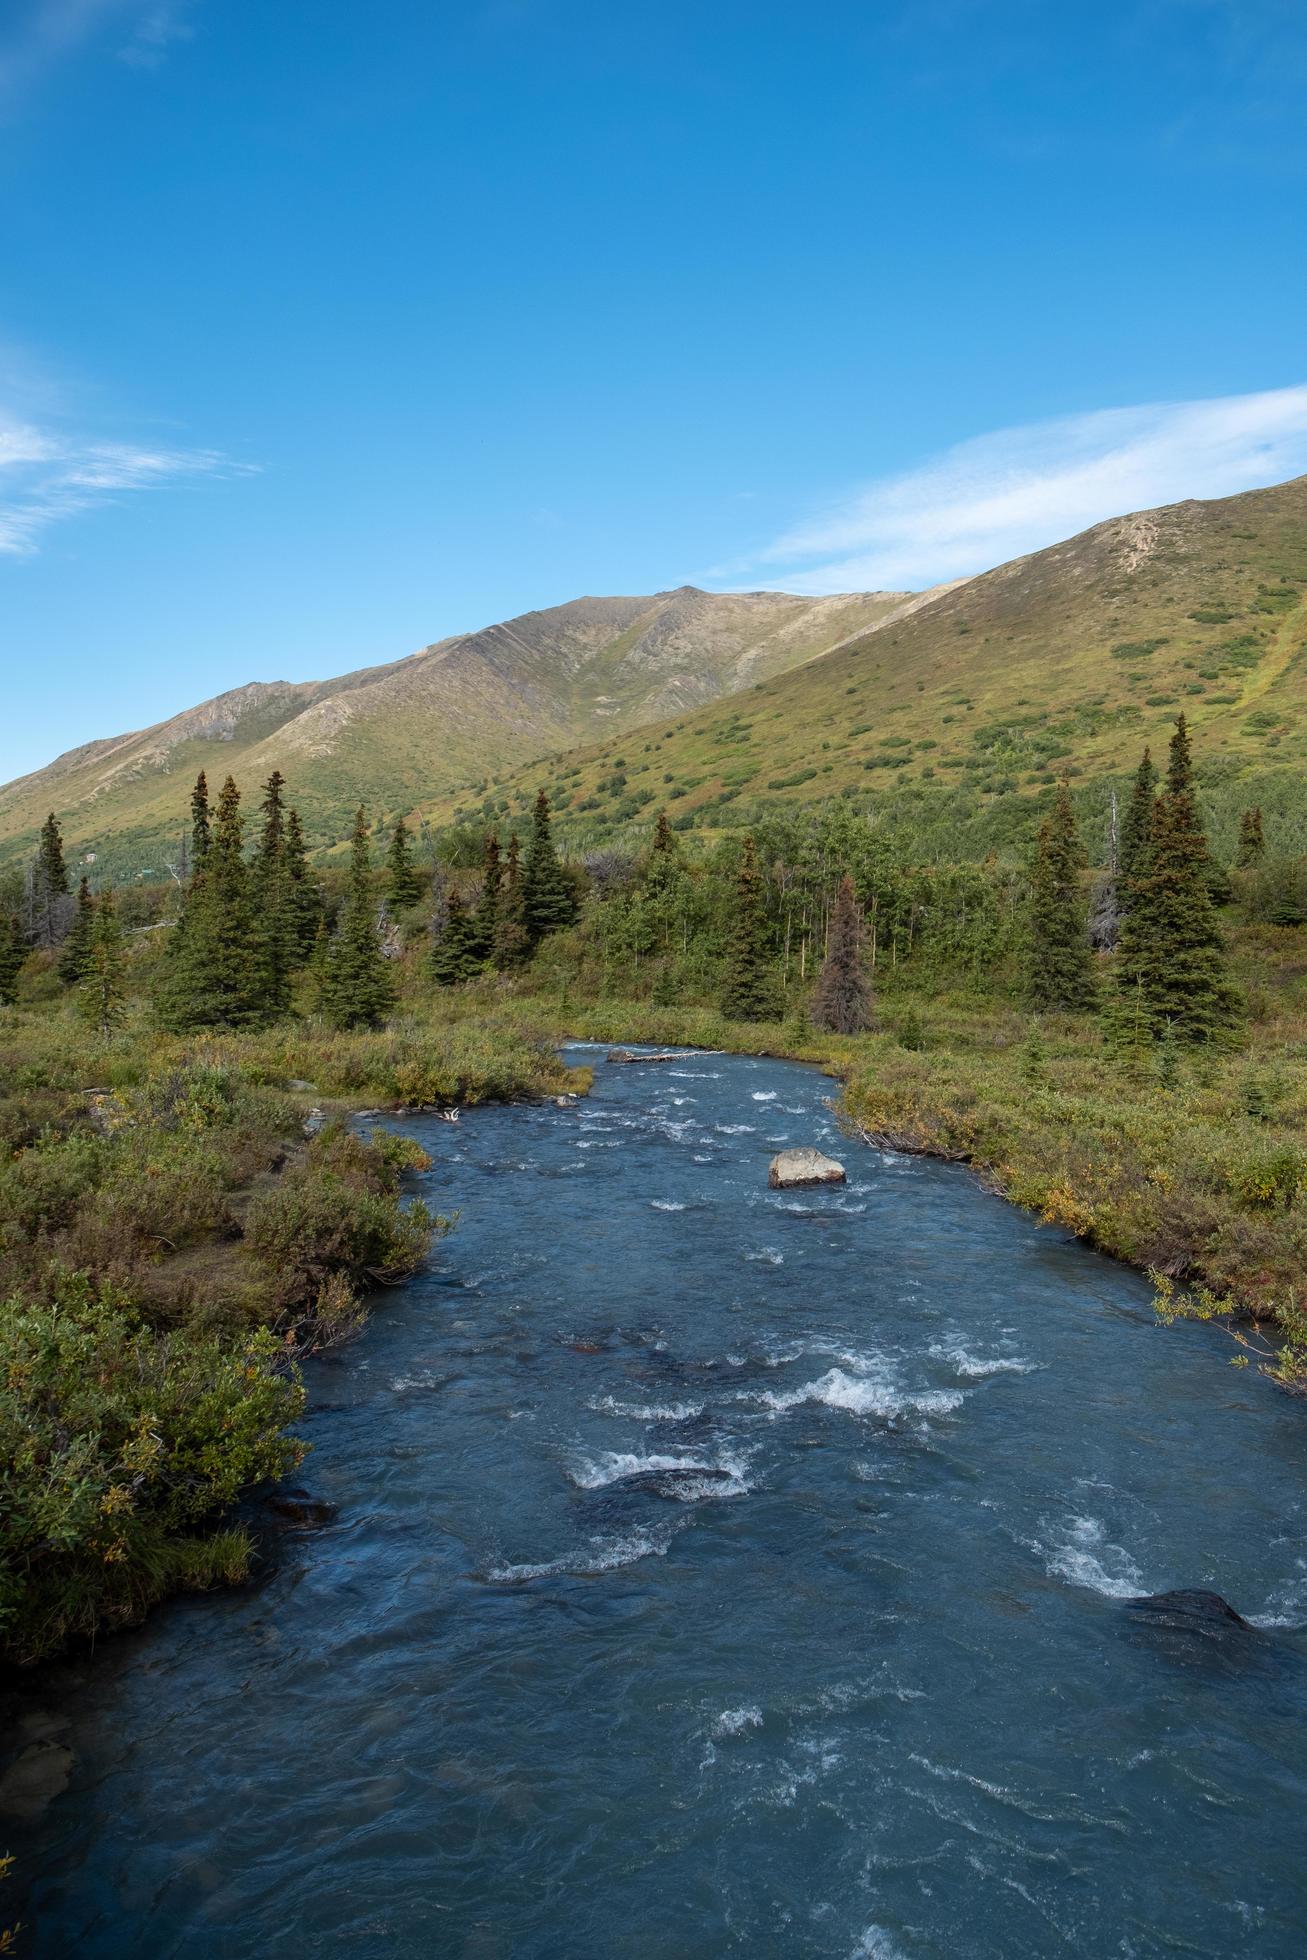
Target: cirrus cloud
[
  {"x": 47, "y": 477},
  {"x": 1002, "y": 495}
]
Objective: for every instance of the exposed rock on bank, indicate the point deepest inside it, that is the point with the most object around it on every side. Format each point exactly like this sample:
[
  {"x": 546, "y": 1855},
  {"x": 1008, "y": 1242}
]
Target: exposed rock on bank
[{"x": 789, "y": 1170}]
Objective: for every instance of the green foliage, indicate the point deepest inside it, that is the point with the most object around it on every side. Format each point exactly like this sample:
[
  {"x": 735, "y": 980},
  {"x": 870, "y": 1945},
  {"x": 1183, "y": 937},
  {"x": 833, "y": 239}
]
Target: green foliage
[
  {"x": 841, "y": 1003},
  {"x": 403, "y": 885},
  {"x": 1171, "y": 963},
  {"x": 117, "y": 1449},
  {"x": 1059, "y": 974},
  {"x": 548, "y": 896},
  {"x": 748, "y": 989},
  {"x": 75, "y": 953},
  {"x": 337, "y": 1215},
  {"x": 102, "y": 987},
  {"x": 215, "y": 975},
  {"x": 12, "y": 955},
  {"x": 357, "y": 990}
]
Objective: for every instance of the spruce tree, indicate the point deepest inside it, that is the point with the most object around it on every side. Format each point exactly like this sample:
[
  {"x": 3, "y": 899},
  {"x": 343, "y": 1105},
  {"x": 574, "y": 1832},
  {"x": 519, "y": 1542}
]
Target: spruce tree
[
  {"x": 1252, "y": 841},
  {"x": 663, "y": 841},
  {"x": 49, "y": 882},
  {"x": 12, "y": 954},
  {"x": 548, "y": 895},
  {"x": 1172, "y": 956},
  {"x": 747, "y": 992},
  {"x": 75, "y": 952},
  {"x": 510, "y": 947},
  {"x": 1137, "y": 828},
  {"x": 303, "y": 899},
  {"x": 215, "y": 971},
  {"x": 270, "y": 886},
  {"x": 1060, "y": 974},
  {"x": 485, "y": 914},
  {"x": 357, "y": 990},
  {"x": 201, "y": 829},
  {"x": 454, "y": 957},
  {"x": 403, "y": 885},
  {"x": 101, "y": 991},
  {"x": 842, "y": 1001}
]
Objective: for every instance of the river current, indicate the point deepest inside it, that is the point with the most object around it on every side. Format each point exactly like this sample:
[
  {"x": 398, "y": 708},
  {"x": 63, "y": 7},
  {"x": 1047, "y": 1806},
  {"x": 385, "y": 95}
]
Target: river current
[{"x": 721, "y": 1571}]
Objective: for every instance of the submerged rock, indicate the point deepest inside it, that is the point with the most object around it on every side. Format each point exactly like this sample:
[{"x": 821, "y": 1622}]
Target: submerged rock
[
  {"x": 791, "y": 1169},
  {"x": 34, "y": 1779},
  {"x": 297, "y": 1507},
  {"x": 691, "y": 1481},
  {"x": 1203, "y": 1611}
]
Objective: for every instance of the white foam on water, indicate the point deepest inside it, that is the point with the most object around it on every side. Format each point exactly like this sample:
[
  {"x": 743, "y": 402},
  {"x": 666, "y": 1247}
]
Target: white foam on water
[
  {"x": 734, "y": 1721},
  {"x": 608, "y": 1405},
  {"x": 614, "y": 1466},
  {"x": 1078, "y": 1550},
  {"x": 763, "y": 1095},
  {"x": 875, "y": 1944},
  {"x": 666, "y": 1204},
  {"x": 766, "y": 1255},
  {"x": 595, "y": 1143},
  {"x": 735, "y": 1129},
  {"x": 858, "y": 1396},
  {"x": 403, "y": 1383},
  {"x": 975, "y": 1367},
  {"x": 607, "y": 1556}
]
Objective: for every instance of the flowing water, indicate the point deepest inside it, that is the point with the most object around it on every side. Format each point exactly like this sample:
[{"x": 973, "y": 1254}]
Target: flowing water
[{"x": 721, "y": 1571}]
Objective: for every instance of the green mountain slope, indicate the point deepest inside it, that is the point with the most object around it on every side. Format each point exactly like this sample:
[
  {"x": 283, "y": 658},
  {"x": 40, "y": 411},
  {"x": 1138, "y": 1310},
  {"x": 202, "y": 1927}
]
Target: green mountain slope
[
  {"x": 1072, "y": 658},
  {"x": 393, "y": 735}
]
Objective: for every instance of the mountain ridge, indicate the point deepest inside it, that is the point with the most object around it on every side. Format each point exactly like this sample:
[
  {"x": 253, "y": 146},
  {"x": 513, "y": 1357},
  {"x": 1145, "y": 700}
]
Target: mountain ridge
[{"x": 394, "y": 734}]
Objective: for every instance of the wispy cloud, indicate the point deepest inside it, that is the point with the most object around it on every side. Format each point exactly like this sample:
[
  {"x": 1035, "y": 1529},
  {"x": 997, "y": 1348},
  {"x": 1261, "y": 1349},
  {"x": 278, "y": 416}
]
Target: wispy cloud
[
  {"x": 1005, "y": 494},
  {"x": 47, "y": 477},
  {"x": 37, "y": 34}
]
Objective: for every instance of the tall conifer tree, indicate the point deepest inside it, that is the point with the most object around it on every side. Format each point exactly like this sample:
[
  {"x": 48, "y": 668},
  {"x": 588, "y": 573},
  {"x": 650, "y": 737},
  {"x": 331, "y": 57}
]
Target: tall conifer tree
[
  {"x": 1252, "y": 840},
  {"x": 842, "y": 1001},
  {"x": 49, "y": 883},
  {"x": 403, "y": 885},
  {"x": 270, "y": 885},
  {"x": 75, "y": 952},
  {"x": 12, "y": 954},
  {"x": 548, "y": 895},
  {"x": 215, "y": 972},
  {"x": 485, "y": 917},
  {"x": 102, "y": 991},
  {"x": 303, "y": 899},
  {"x": 454, "y": 957},
  {"x": 201, "y": 828},
  {"x": 357, "y": 990},
  {"x": 747, "y": 991},
  {"x": 510, "y": 927},
  {"x": 1172, "y": 955},
  {"x": 1060, "y": 973},
  {"x": 1137, "y": 829}
]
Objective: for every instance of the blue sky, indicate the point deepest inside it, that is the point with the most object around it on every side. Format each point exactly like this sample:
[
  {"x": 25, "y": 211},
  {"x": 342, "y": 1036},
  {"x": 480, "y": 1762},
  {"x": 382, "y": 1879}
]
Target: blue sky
[{"x": 328, "y": 330}]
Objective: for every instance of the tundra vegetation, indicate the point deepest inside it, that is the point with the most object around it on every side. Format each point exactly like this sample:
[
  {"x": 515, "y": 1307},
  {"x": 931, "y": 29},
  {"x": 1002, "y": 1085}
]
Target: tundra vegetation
[{"x": 1107, "y": 1018}]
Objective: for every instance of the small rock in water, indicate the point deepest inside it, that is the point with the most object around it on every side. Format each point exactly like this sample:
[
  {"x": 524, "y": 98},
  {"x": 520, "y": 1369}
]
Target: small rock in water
[
  {"x": 624, "y": 1055},
  {"x": 34, "y": 1779},
  {"x": 790, "y": 1169},
  {"x": 1189, "y": 1608},
  {"x": 297, "y": 1507}
]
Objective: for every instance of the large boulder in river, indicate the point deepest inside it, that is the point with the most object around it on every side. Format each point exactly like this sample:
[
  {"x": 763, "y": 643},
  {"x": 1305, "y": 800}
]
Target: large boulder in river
[
  {"x": 791, "y": 1169},
  {"x": 1189, "y": 1608}
]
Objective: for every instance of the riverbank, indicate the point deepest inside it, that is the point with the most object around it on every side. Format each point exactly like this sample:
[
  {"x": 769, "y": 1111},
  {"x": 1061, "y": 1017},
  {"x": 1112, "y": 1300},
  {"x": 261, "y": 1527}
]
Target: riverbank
[
  {"x": 1191, "y": 1167},
  {"x": 181, "y": 1221}
]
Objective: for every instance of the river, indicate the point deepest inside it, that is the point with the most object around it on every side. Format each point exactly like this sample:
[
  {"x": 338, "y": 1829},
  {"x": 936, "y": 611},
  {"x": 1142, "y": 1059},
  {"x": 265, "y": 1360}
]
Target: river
[{"x": 721, "y": 1571}]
